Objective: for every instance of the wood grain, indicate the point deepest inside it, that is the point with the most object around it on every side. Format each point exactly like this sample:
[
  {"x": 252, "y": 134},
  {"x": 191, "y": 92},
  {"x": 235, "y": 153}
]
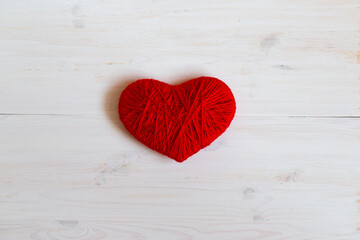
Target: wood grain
[{"x": 287, "y": 168}]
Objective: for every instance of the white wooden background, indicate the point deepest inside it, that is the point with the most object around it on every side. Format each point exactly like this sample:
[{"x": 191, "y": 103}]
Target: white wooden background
[{"x": 287, "y": 168}]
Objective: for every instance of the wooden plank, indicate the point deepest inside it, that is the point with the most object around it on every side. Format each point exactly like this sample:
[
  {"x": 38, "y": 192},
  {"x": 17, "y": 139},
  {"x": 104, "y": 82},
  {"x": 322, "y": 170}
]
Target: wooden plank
[
  {"x": 279, "y": 57},
  {"x": 266, "y": 178}
]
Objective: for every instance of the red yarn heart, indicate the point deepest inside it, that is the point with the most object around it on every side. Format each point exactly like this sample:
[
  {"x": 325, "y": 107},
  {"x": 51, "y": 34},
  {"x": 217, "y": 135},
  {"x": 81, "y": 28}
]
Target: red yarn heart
[{"x": 177, "y": 120}]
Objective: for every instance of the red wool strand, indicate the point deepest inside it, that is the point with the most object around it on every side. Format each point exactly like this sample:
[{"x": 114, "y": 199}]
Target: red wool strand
[{"x": 177, "y": 120}]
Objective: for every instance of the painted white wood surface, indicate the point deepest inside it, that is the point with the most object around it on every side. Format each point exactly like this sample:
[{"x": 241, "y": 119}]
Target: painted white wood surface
[{"x": 287, "y": 168}]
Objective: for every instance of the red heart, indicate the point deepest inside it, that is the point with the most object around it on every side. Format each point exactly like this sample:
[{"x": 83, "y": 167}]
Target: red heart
[{"x": 177, "y": 120}]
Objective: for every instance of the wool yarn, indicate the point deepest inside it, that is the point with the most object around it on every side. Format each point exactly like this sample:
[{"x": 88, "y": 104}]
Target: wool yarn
[{"x": 177, "y": 120}]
